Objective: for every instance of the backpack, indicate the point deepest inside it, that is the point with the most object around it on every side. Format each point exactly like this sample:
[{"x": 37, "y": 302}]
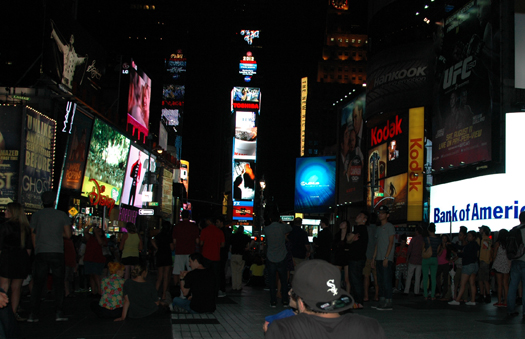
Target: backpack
[{"x": 514, "y": 247}]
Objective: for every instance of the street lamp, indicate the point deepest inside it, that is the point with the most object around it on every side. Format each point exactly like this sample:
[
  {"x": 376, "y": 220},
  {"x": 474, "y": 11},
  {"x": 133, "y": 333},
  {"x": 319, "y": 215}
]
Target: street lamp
[{"x": 261, "y": 198}]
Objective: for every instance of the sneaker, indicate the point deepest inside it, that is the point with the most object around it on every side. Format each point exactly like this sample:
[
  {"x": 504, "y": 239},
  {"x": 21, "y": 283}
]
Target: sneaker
[
  {"x": 19, "y": 318},
  {"x": 221, "y": 294},
  {"x": 498, "y": 304},
  {"x": 32, "y": 319},
  {"x": 273, "y": 305},
  {"x": 470, "y": 303},
  {"x": 286, "y": 304},
  {"x": 170, "y": 307},
  {"x": 357, "y": 306},
  {"x": 178, "y": 310},
  {"x": 513, "y": 314},
  {"x": 386, "y": 307},
  {"x": 453, "y": 302},
  {"x": 61, "y": 317}
]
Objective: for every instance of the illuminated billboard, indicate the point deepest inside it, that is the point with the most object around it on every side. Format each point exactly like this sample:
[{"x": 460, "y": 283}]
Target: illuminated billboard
[
  {"x": 351, "y": 145},
  {"x": 185, "y": 175},
  {"x": 395, "y": 162},
  {"x": 314, "y": 184},
  {"x": 134, "y": 184},
  {"x": 473, "y": 203},
  {"x": 243, "y": 178},
  {"x": 469, "y": 87},
  {"x": 242, "y": 210},
  {"x": 107, "y": 158},
  {"x": 10, "y": 136},
  {"x": 246, "y": 94},
  {"x": 176, "y": 66},
  {"x": 248, "y": 66},
  {"x": 139, "y": 97},
  {"x": 249, "y": 35},
  {"x": 245, "y": 141}
]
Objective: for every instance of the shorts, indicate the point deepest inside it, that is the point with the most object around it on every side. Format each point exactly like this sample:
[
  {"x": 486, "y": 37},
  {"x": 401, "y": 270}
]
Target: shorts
[
  {"x": 484, "y": 271},
  {"x": 368, "y": 268},
  {"x": 401, "y": 271},
  {"x": 181, "y": 263},
  {"x": 470, "y": 269},
  {"x": 95, "y": 268},
  {"x": 130, "y": 261},
  {"x": 70, "y": 273}
]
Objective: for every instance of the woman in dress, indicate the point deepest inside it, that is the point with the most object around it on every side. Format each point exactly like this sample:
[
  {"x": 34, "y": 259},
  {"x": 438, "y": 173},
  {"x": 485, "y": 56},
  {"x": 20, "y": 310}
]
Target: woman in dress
[
  {"x": 15, "y": 247},
  {"x": 501, "y": 264},
  {"x": 163, "y": 244},
  {"x": 130, "y": 245}
]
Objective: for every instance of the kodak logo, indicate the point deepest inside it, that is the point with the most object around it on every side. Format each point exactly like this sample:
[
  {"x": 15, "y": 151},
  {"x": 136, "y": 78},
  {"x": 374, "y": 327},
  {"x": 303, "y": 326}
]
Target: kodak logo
[{"x": 390, "y": 130}]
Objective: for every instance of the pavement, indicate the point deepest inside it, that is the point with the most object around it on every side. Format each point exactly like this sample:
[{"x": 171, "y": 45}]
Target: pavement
[{"x": 241, "y": 315}]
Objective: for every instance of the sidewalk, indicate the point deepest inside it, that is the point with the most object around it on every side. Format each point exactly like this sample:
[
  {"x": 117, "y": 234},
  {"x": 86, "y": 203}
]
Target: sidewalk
[{"x": 241, "y": 315}]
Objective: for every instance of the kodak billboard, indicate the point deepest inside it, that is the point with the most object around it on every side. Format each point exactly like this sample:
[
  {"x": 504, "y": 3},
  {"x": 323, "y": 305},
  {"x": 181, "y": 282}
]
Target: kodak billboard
[{"x": 416, "y": 158}]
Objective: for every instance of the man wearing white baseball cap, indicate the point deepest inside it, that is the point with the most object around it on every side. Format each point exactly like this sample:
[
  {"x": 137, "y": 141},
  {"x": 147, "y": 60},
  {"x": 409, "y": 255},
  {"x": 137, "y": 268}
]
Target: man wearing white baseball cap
[{"x": 320, "y": 299}]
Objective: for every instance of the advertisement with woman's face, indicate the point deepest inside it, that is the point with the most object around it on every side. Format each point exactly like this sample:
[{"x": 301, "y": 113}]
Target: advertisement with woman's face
[{"x": 139, "y": 98}]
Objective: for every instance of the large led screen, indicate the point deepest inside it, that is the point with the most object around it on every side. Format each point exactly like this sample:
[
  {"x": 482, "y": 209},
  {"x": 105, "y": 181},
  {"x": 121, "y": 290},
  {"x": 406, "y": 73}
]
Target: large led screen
[
  {"x": 468, "y": 86},
  {"x": 134, "y": 183},
  {"x": 246, "y": 94},
  {"x": 243, "y": 180},
  {"x": 245, "y": 141},
  {"x": 106, "y": 163},
  {"x": 242, "y": 210},
  {"x": 351, "y": 146},
  {"x": 314, "y": 184},
  {"x": 139, "y": 97}
]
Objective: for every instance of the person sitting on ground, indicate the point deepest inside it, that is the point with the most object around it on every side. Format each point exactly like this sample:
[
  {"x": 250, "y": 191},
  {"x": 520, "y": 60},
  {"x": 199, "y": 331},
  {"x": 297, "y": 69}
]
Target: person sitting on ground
[
  {"x": 320, "y": 299},
  {"x": 140, "y": 296},
  {"x": 110, "y": 304},
  {"x": 257, "y": 273},
  {"x": 198, "y": 288}
]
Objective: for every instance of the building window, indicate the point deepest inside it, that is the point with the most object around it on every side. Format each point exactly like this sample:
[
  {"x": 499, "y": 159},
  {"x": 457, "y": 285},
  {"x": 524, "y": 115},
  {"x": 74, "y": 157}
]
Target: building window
[
  {"x": 360, "y": 78},
  {"x": 353, "y": 40},
  {"x": 360, "y": 70},
  {"x": 346, "y": 53},
  {"x": 340, "y": 40},
  {"x": 339, "y": 77},
  {"x": 353, "y": 78},
  {"x": 331, "y": 39},
  {"x": 359, "y": 41},
  {"x": 346, "y": 76},
  {"x": 340, "y": 69},
  {"x": 353, "y": 70},
  {"x": 353, "y": 54},
  {"x": 316, "y": 151},
  {"x": 346, "y": 40},
  {"x": 331, "y": 76},
  {"x": 325, "y": 76},
  {"x": 339, "y": 53}
]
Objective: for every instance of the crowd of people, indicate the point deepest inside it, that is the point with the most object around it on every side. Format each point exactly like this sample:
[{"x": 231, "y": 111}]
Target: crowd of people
[{"x": 323, "y": 279}]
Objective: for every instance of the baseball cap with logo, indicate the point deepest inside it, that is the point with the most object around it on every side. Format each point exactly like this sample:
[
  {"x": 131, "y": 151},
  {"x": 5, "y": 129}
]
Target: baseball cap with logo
[
  {"x": 383, "y": 208},
  {"x": 318, "y": 284}
]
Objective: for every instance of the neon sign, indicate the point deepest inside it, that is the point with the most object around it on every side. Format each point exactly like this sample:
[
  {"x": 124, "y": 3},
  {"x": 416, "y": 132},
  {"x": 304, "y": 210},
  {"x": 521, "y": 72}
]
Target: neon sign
[{"x": 96, "y": 197}]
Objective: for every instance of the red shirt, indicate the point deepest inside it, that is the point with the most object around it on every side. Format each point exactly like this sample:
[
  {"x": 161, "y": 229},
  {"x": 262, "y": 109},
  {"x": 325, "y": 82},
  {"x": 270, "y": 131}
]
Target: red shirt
[
  {"x": 400, "y": 259},
  {"x": 212, "y": 237},
  {"x": 94, "y": 251},
  {"x": 185, "y": 234}
]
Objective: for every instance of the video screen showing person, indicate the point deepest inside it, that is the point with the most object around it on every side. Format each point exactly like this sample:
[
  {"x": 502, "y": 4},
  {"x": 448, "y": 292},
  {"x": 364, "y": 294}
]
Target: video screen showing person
[{"x": 139, "y": 97}]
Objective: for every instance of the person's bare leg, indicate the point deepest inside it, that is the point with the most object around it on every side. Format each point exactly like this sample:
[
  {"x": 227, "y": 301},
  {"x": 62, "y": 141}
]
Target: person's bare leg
[
  {"x": 16, "y": 287},
  {"x": 472, "y": 279},
  {"x": 464, "y": 280}
]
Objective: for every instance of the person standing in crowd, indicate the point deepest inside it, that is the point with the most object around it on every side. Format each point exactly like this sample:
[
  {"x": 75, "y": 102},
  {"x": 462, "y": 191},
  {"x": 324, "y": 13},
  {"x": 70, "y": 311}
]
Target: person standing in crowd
[
  {"x": 401, "y": 263},
  {"x": 185, "y": 238},
  {"x": 320, "y": 299},
  {"x": 430, "y": 240},
  {"x": 298, "y": 238},
  {"x": 163, "y": 244},
  {"x": 443, "y": 256},
  {"x": 70, "y": 256},
  {"x": 457, "y": 245},
  {"x": 485, "y": 258},
  {"x": 198, "y": 288},
  {"x": 227, "y": 231},
  {"x": 370, "y": 271},
  {"x": 239, "y": 246},
  {"x": 341, "y": 252},
  {"x": 110, "y": 304},
  {"x": 49, "y": 227},
  {"x": 130, "y": 246},
  {"x": 502, "y": 267},
  {"x": 276, "y": 257},
  {"x": 470, "y": 268},
  {"x": 15, "y": 247},
  {"x": 414, "y": 261},
  {"x": 211, "y": 241},
  {"x": 384, "y": 258},
  {"x": 324, "y": 241},
  {"x": 358, "y": 244},
  {"x": 517, "y": 275},
  {"x": 94, "y": 259}
]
